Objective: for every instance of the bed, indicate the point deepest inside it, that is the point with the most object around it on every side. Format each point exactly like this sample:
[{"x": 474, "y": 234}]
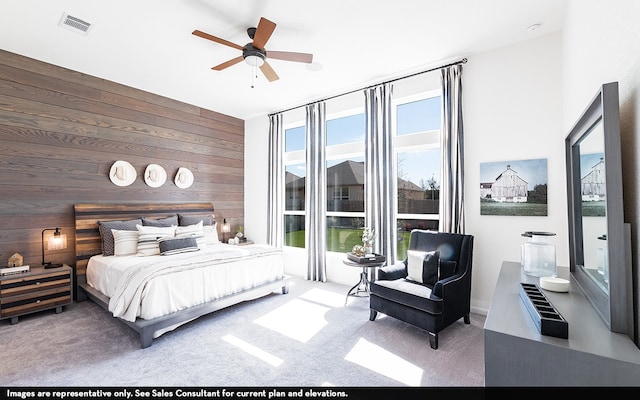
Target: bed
[{"x": 181, "y": 277}]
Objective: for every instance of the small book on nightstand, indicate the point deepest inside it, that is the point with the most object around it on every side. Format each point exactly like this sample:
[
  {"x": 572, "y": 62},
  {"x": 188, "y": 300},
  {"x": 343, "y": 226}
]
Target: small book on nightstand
[{"x": 14, "y": 270}]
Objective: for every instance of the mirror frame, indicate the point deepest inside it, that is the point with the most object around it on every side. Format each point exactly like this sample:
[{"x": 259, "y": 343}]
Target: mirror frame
[{"x": 613, "y": 307}]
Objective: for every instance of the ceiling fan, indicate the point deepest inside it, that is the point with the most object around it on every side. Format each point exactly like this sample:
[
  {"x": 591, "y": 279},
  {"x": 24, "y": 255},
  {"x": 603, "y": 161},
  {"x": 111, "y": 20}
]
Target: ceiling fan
[{"x": 254, "y": 53}]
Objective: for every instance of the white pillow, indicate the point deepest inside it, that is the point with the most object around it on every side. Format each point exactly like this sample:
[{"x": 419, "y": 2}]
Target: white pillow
[
  {"x": 211, "y": 234},
  {"x": 196, "y": 231},
  {"x": 148, "y": 238},
  {"x": 124, "y": 242},
  {"x": 423, "y": 266},
  {"x": 415, "y": 260}
]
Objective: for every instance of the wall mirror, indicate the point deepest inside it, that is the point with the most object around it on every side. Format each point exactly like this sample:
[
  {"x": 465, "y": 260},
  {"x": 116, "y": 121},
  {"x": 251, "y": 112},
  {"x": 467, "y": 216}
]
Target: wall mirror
[{"x": 599, "y": 240}]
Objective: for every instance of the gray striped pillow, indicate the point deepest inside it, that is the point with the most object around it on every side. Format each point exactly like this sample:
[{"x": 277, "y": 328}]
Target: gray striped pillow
[
  {"x": 148, "y": 237},
  {"x": 177, "y": 245},
  {"x": 125, "y": 242}
]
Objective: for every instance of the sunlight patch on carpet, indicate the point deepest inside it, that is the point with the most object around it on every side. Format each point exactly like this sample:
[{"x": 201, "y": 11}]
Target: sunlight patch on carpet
[
  {"x": 325, "y": 297},
  {"x": 253, "y": 350},
  {"x": 377, "y": 359},
  {"x": 298, "y": 319}
]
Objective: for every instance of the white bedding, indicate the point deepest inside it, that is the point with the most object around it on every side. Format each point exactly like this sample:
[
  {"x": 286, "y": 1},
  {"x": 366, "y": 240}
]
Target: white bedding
[{"x": 152, "y": 286}]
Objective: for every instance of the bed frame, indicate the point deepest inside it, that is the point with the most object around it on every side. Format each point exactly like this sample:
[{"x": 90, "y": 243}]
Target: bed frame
[{"x": 88, "y": 244}]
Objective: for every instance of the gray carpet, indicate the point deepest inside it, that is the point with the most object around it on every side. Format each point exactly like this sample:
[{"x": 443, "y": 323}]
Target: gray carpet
[{"x": 305, "y": 338}]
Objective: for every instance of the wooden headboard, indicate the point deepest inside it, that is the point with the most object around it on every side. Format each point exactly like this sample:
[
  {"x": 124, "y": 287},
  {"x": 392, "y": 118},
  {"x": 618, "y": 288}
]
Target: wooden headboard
[{"x": 88, "y": 241}]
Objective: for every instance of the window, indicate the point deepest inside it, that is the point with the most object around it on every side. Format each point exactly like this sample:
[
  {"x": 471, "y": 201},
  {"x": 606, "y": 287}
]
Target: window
[
  {"x": 416, "y": 143},
  {"x": 341, "y": 193},
  {"x": 345, "y": 180},
  {"x": 295, "y": 170},
  {"x": 417, "y": 151}
]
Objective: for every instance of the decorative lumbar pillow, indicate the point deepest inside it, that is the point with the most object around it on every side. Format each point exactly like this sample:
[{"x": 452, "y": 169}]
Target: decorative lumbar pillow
[
  {"x": 106, "y": 235},
  {"x": 196, "y": 231},
  {"x": 447, "y": 268},
  {"x": 177, "y": 245},
  {"x": 125, "y": 242},
  {"x": 148, "y": 237},
  {"x": 422, "y": 266},
  {"x": 168, "y": 221},
  {"x": 211, "y": 234},
  {"x": 186, "y": 220}
]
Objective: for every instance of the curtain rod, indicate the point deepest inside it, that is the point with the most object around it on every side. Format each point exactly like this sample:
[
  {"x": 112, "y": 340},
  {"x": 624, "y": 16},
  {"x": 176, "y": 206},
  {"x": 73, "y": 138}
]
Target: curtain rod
[{"x": 462, "y": 61}]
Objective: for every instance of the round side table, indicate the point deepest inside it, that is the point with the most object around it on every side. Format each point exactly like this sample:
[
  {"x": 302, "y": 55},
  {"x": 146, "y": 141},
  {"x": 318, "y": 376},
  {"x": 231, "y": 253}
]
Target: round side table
[{"x": 361, "y": 289}]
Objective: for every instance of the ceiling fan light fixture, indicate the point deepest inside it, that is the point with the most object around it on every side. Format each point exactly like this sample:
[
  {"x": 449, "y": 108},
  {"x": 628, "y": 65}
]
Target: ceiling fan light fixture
[
  {"x": 254, "y": 60},
  {"x": 254, "y": 53}
]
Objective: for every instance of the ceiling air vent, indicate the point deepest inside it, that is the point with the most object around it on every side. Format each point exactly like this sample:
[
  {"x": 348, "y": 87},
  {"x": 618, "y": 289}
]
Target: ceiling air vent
[{"x": 74, "y": 24}]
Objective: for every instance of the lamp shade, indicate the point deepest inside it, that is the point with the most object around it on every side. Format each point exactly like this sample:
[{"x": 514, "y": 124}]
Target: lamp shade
[
  {"x": 57, "y": 241},
  {"x": 226, "y": 228}
]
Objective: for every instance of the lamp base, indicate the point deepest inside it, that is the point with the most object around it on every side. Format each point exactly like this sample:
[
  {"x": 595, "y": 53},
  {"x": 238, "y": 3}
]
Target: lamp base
[{"x": 50, "y": 265}]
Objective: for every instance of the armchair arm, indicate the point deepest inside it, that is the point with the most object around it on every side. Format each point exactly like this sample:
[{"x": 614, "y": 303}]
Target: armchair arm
[
  {"x": 454, "y": 283},
  {"x": 392, "y": 272}
]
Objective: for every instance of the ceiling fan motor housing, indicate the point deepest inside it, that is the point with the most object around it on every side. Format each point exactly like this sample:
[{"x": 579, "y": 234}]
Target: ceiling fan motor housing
[{"x": 249, "y": 50}]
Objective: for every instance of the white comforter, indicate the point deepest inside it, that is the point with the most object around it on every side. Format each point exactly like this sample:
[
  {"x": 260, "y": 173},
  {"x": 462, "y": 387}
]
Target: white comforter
[{"x": 152, "y": 286}]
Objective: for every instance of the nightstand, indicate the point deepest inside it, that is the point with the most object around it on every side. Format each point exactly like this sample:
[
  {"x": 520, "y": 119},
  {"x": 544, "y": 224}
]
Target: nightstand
[{"x": 37, "y": 290}]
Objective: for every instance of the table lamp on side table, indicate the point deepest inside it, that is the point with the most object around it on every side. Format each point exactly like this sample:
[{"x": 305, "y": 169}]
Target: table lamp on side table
[{"x": 57, "y": 241}]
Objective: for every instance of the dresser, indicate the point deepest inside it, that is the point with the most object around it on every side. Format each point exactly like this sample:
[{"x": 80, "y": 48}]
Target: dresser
[
  {"x": 37, "y": 290},
  {"x": 517, "y": 354}
]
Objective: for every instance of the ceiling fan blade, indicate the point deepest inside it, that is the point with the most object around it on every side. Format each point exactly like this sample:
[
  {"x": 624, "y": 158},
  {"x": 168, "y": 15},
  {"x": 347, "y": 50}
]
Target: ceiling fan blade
[
  {"x": 227, "y": 64},
  {"x": 216, "y": 39},
  {"x": 268, "y": 72},
  {"x": 263, "y": 33},
  {"x": 291, "y": 56}
]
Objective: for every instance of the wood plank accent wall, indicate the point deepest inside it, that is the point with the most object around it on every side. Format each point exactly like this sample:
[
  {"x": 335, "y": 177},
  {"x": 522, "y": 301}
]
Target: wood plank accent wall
[{"x": 60, "y": 132}]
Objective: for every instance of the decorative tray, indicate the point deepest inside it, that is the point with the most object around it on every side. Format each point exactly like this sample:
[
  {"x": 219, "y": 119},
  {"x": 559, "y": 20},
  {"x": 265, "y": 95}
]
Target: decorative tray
[
  {"x": 548, "y": 320},
  {"x": 368, "y": 258}
]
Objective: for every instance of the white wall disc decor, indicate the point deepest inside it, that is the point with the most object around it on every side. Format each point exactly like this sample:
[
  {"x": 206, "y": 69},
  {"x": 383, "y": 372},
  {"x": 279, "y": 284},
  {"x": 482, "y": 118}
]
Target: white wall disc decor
[
  {"x": 122, "y": 173},
  {"x": 155, "y": 176},
  {"x": 184, "y": 178}
]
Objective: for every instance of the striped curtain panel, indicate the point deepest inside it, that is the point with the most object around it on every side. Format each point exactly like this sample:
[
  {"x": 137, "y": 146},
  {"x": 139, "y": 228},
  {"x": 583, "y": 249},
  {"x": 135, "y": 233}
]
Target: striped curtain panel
[
  {"x": 275, "y": 179},
  {"x": 452, "y": 186},
  {"x": 316, "y": 192},
  {"x": 380, "y": 190}
]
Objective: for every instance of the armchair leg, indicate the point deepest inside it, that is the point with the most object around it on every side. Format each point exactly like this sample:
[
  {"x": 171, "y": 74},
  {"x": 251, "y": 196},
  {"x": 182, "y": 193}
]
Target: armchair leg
[
  {"x": 467, "y": 320},
  {"x": 433, "y": 340},
  {"x": 372, "y": 314}
]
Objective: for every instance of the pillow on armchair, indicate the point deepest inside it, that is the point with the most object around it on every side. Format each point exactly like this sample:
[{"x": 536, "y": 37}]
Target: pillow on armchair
[
  {"x": 422, "y": 266},
  {"x": 446, "y": 269},
  {"x": 427, "y": 268}
]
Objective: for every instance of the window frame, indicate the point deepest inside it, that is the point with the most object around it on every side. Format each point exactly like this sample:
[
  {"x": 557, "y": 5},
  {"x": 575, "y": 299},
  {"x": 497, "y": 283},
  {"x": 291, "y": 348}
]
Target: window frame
[{"x": 422, "y": 140}]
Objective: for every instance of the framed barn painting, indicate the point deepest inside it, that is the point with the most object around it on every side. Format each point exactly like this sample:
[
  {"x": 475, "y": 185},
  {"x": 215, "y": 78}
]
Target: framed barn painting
[{"x": 514, "y": 188}]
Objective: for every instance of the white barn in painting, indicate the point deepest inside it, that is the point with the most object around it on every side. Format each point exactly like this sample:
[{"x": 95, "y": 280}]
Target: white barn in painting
[
  {"x": 593, "y": 185},
  {"x": 509, "y": 187}
]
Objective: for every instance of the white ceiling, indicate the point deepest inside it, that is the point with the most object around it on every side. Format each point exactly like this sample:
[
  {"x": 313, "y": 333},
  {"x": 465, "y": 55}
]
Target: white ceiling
[{"x": 148, "y": 44}]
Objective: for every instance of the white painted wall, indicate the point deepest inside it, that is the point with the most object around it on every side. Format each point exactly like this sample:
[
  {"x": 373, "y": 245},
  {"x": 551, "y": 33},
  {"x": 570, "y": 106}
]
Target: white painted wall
[
  {"x": 512, "y": 104},
  {"x": 513, "y": 111}
]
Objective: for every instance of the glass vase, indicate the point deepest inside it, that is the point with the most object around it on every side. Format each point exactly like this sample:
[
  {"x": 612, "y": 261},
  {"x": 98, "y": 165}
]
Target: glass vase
[{"x": 538, "y": 255}]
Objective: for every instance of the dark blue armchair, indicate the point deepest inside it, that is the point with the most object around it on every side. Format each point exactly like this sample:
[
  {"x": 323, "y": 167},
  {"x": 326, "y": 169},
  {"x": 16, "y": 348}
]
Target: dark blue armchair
[{"x": 437, "y": 298}]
